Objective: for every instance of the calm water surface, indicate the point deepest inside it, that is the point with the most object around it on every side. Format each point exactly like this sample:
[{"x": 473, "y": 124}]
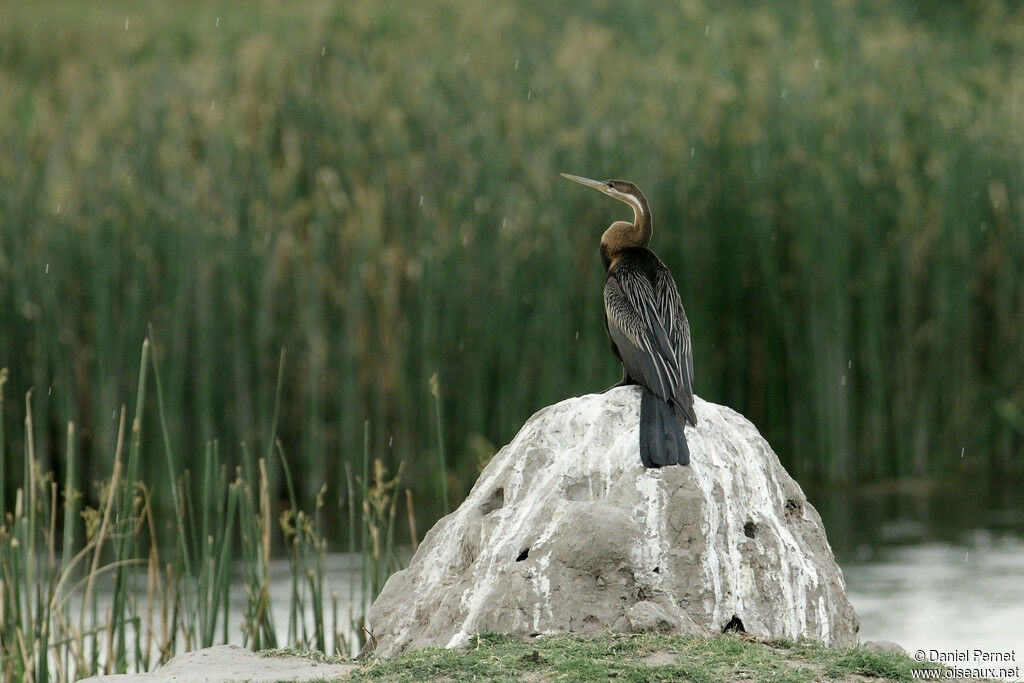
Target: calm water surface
[{"x": 936, "y": 566}]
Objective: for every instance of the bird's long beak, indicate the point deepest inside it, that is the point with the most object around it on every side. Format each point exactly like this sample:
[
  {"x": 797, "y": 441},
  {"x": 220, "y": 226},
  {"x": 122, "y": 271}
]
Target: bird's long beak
[{"x": 596, "y": 184}]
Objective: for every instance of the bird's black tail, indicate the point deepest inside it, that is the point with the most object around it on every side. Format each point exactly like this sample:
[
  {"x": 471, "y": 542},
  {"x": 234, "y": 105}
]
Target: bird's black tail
[{"x": 662, "y": 441}]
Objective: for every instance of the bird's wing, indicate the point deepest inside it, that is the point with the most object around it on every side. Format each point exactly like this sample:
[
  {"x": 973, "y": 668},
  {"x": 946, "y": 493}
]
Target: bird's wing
[
  {"x": 637, "y": 330},
  {"x": 673, "y": 316}
]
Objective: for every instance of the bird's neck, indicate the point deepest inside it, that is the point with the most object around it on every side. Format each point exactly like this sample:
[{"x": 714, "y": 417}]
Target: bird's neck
[
  {"x": 641, "y": 220},
  {"x": 622, "y": 235}
]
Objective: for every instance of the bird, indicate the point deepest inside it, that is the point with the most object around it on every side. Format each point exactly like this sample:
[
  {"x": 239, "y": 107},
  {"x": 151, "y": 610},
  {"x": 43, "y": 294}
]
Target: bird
[{"x": 647, "y": 327}]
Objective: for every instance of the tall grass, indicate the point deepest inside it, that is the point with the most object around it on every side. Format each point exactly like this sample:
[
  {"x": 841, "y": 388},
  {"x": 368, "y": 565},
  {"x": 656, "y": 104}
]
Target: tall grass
[
  {"x": 837, "y": 188},
  {"x": 166, "y": 584}
]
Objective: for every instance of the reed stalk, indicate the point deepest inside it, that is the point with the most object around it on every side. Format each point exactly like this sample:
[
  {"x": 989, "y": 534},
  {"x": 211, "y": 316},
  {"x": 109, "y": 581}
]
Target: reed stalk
[
  {"x": 4, "y": 375},
  {"x": 125, "y": 519},
  {"x": 435, "y": 391}
]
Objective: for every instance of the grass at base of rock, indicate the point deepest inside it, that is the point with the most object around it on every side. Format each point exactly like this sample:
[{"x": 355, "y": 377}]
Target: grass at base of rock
[
  {"x": 645, "y": 657},
  {"x": 314, "y": 655}
]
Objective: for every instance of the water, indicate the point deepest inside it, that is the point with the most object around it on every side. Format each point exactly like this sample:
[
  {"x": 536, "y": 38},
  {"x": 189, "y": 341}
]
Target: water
[
  {"x": 935, "y": 566},
  {"x": 341, "y": 579},
  {"x": 342, "y": 587}
]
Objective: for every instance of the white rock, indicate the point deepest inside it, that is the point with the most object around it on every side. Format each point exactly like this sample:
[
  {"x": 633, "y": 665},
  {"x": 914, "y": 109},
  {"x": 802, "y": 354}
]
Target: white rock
[{"x": 565, "y": 530}]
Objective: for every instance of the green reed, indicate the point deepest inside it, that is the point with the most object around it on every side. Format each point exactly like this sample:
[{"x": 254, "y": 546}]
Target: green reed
[
  {"x": 167, "y": 582},
  {"x": 836, "y": 188}
]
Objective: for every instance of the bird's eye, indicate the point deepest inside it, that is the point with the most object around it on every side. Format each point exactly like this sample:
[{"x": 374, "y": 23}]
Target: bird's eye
[{"x": 609, "y": 183}]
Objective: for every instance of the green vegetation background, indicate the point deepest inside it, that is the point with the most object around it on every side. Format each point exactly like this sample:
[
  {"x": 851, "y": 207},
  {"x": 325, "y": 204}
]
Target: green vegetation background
[{"x": 373, "y": 186}]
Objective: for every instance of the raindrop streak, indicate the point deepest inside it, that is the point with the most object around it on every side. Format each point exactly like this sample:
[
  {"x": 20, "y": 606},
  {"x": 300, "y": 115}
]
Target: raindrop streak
[
  {"x": 47, "y": 269},
  {"x": 693, "y": 151},
  {"x": 217, "y": 23},
  {"x": 126, "y": 24},
  {"x": 707, "y": 30},
  {"x": 817, "y": 63},
  {"x": 391, "y": 440},
  {"x": 421, "y": 200},
  {"x": 962, "y": 449},
  {"x": 529, "y": 94},
  {"x": 849, "y": 365},
  {"x": 323, "y": 51},
  {"x": 843, "y": 380},
  {"x": 517, "y": 64},
  {"x": 58, "y": 209},
  {"x": 966, "y": 554}
]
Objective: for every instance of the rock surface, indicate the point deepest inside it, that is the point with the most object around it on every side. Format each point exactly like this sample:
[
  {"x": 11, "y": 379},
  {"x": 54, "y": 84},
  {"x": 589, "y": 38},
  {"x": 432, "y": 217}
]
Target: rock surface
[
  {"x": 565, "y": 530},
  {"x": 225, "y": 663}
]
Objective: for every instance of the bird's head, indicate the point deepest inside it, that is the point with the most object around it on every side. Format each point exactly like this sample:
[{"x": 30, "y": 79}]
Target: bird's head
[
  {"x": 623, "y": 190},
  {"x": 622, "y": 234}
]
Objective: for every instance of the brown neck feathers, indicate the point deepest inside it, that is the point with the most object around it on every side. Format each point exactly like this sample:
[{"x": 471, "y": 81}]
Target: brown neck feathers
[{"x": 623, "y": 235}]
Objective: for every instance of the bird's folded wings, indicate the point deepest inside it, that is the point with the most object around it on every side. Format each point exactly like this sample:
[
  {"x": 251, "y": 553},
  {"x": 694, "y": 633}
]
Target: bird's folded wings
[{"x": 639, "y": 334}]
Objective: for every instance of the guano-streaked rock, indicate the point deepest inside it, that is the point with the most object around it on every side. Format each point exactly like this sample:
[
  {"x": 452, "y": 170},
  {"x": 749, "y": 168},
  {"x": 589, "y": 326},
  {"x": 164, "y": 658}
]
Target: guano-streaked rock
[{"x": 565, "y": 530}]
